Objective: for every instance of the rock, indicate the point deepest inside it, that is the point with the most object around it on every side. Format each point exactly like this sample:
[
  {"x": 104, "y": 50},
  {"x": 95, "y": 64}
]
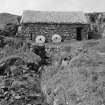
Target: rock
[{"x": 17, "y": 97}]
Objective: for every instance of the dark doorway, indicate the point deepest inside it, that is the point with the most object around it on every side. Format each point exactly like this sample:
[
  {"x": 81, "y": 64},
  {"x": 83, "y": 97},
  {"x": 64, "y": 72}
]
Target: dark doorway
[
  {"x": 31, "y": 36},
  {"x": 79, "y": 35},
  {"x": 91, "y": 35}
]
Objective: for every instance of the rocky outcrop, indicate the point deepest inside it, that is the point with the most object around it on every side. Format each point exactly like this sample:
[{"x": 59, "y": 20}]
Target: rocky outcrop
[
  {"x": 20, "y": 82},
  {"x": 97, "y": 25}
]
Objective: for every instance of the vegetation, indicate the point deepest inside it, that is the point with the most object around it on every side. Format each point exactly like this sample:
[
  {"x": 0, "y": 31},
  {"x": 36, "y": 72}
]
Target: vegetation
[
  {"x": 19, "y": 74},
  {"x": 79, "y": 82},
  {"x": 97, "y": 25},
  {"x": 43, "y": 75}
]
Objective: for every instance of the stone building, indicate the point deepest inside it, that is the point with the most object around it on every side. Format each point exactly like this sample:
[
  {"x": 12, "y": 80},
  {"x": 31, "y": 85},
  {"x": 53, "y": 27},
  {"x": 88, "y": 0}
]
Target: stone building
[{"x": 68, "y": 25}]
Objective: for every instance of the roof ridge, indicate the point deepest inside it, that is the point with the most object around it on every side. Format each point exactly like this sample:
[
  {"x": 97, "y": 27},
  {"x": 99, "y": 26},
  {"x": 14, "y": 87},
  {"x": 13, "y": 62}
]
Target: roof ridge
[
  {"x": 30, "y": 16},
  {"x": 53, "y": 11}
]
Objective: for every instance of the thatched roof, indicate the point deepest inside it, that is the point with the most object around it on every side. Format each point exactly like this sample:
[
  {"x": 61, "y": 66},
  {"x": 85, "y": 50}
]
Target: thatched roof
[{"x": 53, "y": 17}]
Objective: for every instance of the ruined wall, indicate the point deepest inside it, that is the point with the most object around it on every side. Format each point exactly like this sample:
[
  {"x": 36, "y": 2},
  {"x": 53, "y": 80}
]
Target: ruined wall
[{"x": 66, "y": 31}]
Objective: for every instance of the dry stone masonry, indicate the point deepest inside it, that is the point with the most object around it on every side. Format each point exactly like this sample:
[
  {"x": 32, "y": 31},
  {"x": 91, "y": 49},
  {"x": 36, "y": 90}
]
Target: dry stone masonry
[
  {"x": 66, "y": 31},
  {"x": 68, "y": 25}
]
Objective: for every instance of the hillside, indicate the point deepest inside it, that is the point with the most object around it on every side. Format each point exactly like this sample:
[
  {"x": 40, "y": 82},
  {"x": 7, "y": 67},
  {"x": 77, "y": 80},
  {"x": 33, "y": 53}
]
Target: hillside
[{"x": 9, "y": 24}]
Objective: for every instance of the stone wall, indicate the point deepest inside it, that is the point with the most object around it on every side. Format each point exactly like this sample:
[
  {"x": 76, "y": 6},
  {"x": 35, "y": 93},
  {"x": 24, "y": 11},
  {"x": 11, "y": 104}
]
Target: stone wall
[{"x": 66, "y": 31}]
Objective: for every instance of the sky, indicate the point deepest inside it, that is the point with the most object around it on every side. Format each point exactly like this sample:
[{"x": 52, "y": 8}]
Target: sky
[{"x": 18, "y": 6}]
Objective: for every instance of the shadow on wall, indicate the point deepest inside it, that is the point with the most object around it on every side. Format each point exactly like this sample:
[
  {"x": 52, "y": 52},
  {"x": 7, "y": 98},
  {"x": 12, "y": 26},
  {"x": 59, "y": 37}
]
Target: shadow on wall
[
  {"x": 94, "y": 35},
  {"x": 79, "y": 35}
]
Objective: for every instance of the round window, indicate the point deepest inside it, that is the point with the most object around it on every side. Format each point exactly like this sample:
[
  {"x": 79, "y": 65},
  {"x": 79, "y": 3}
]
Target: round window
[
  {"x": 56, "y": 38},
  {"x": 40, "y": 39}
]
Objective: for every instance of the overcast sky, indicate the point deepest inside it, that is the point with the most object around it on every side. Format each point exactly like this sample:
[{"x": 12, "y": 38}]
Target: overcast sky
[{"x": 17, "y": 6}]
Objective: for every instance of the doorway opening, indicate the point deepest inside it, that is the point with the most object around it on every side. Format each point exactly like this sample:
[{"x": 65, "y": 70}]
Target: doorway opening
[
  {"x": 79, "y": 34},
  {"x": 31, "y": 36}
]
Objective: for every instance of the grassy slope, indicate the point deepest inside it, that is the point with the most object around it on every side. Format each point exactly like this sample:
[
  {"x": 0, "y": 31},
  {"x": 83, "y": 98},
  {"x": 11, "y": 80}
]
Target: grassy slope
[{"x": 81, "y": 82}]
